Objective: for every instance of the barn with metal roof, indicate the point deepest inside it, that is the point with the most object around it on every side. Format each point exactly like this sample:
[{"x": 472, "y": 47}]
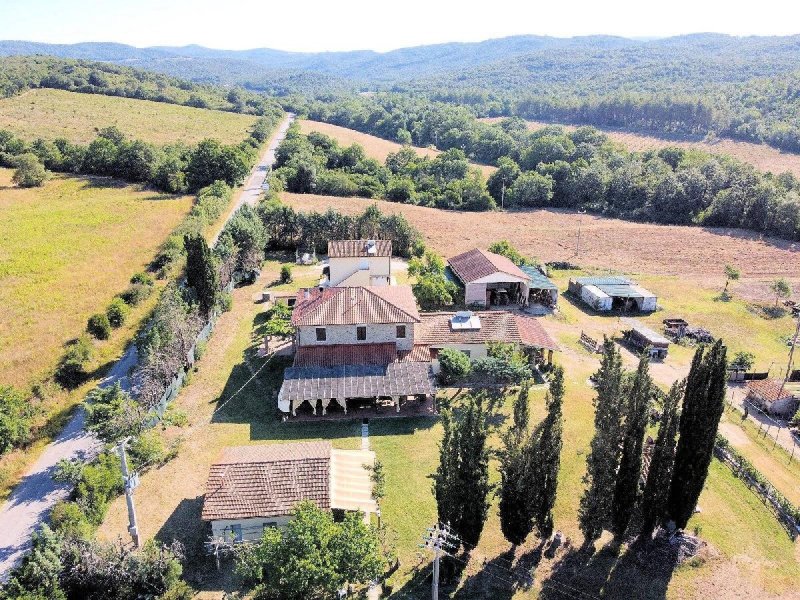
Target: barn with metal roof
[{"x": 609, "y": 293}]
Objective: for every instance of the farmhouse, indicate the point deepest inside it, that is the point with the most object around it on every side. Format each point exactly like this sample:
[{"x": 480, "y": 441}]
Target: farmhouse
[
  {"x": 489, "y": 279},
  {"x": 359, "y": 263},
  {"x": 767, "y": 395},
  {"x": 604, "y": 294},
  {"x": 642, "y": 338},
  {"x": 472, "y": 332},
  {"x": 355, "y": 344},
  {"x": 251, "y": 488}
]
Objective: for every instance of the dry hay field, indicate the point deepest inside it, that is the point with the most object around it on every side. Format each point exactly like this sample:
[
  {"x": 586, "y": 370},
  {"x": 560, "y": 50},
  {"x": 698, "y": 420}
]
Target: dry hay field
[
  {"x": 551, "y": 235},
  {"x": 761, "y": 156},
  {"x": 52, "y": 114},
  {"x": 375, "y": 147},
  {"x": 67, "y": 249}
]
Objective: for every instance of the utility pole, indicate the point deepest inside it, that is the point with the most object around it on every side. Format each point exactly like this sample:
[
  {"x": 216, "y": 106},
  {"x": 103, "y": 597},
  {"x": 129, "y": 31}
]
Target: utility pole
[
  {"x": 131, "y": 481},
  {"x": 791, "y": 359},
  {"x": 503, "y": 195},
  {"x": 578, "y": 241},
  {"x": 438, "y": 540}
]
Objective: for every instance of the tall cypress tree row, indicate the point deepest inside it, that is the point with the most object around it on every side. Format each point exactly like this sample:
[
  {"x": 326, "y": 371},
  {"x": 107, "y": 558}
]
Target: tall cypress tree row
[
  {"x": 656, "y": 490},
  {"x": 703, "y": 404},
  {"x": 461, "y": 483},
  {"x": 516, "y": 520},
  {"x": 546, "y": 456},
  {"x": 626, "y": 489},
  {"x": 594, "y": 513},
  {"x": 201, "y": 272}
]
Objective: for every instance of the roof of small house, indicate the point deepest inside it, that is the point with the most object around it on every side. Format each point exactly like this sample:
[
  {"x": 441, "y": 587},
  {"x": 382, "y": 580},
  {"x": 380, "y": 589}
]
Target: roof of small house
[
  {"x": 360, "y": 248},
  {"x": 356, "y": 381},
  {"x": 495, "y": 326},
  {"x": 355, "y": 306},
  {"x": 769, "y": 390},
  {"x": 336, "y": 355},
  {"x": 650, "y": 335},
  {"x": 476, "y": 264},
  {"x": 267, "y": 480}
]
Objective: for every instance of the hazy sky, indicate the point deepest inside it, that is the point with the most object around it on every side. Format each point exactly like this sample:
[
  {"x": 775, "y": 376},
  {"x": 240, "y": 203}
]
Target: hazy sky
[{"x": 314, "y": 25}]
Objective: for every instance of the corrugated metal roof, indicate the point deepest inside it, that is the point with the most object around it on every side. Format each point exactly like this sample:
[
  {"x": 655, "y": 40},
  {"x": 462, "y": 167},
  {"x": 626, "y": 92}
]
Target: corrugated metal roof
[
  {"x": 603, "y": 280},
  {"x": 647, "y": 333},
  {"x": 348, "y": 248},
  {"x": 618, "y": 287},
  {"x": 475, "y": 264},
  {"x": 356, "y": 381},
  {"x": 538, "y": 280}
]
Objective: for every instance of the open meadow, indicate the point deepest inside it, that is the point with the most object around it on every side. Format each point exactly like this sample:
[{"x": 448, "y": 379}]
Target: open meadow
[
  {"x": 761, "y": 156},
  {"x": 68, "y": 248},
  {"x": 51, "y": 114},
  {"x": 374, "y": 147}
]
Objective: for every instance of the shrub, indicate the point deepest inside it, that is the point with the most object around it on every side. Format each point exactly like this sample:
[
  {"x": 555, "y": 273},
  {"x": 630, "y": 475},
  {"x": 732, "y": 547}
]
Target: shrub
[
  {"x": 100, "y": 482},
  {"x": 30, "y": 172},
  {"x": 147, "y": 450},
  {"x": 454, "y": 366},
  {"x": 99, "y": 326},
  {"x": 142, "y": 278},
  {"x": 117, "y": 312},
  {"x": 286, "y": 274},
  {"x": 72, "y": 369},
  {"x": 68, "y": 519},
  {"x": 136, "y": 293},
  {"x": 225, "y": 301},
  {"x": 743, "y": 361},
  {"x": 15, "y": 418}
]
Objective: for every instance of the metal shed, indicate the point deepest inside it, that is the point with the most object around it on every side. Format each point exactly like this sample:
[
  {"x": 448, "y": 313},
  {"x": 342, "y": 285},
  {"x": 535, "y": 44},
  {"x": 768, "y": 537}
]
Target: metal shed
[
  {"x": 624, "y": 294},
  {"x": 642, "y": 337}
]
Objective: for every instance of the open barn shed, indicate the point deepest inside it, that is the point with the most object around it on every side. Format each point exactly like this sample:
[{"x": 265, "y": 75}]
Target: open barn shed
[{"x": 609, "y": 293}]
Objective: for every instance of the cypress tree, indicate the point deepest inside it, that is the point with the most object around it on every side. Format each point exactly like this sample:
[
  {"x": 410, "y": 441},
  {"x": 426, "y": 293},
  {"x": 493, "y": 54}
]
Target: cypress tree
[
  {"x": 703, "y": 404},
  {"x": 656, "y": 490},
  {"x": 201, "y": 272},
  {"x": 546, "y": 456},
  {"x": 516, "y": 520},
  {"x": 461, "y": 483},
  {"x": 594, "y": 513},
  {"x": 626, "y": 489}
]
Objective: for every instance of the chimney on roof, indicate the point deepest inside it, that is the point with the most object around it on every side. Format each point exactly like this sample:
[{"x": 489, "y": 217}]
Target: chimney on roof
[
  {"x": 370, "y": 247},
  {"x": 306, "y": 294}
]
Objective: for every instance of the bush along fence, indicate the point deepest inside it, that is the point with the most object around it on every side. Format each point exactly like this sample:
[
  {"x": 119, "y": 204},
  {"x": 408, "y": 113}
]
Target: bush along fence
[{"x": 786, "y": 512}]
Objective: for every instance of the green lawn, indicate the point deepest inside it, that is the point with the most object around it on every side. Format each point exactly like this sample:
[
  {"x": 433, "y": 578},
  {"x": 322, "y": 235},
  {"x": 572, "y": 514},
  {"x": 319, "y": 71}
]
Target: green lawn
[{"x": 51, "y": 114}]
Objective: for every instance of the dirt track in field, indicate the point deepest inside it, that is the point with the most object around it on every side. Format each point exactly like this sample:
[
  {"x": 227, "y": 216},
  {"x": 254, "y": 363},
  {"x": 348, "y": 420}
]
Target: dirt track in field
[{"x": 551, "y": 235}]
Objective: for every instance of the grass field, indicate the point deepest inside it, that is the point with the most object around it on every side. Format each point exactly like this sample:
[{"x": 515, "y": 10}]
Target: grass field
[
  {"x": 750, "y": 555},
  {"x": 375, "y": 147},
  {"x": 761, "y": 156},
  {"x": 67, "y": 249},
  {"x": 52, "y": 114}
]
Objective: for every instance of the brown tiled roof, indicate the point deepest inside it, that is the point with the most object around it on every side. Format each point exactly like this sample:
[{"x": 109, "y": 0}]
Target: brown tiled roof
[
  {"x": 335, "y": 355},
  {"x": 496, "y": 326},
  {"x": 356, "y": 381},
  {"x": 267, "y": 480},
  {"x": 355, "y": 306},
  {"x": 769, "y": 389},
  {"x": 475, "y": 264},
  {"x": 346, "y": 248}
]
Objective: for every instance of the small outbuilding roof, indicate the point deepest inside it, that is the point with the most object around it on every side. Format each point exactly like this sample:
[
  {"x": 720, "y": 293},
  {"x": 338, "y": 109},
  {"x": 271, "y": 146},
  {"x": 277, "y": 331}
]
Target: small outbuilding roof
[
  {"x": 355, "y": 306},
  {"x": 495, "y": 326},
  {"x": 267, "y": 480},
  {"x": 360, "y": 248},
  {"x": 476, "y": 264},
  {"x": 539, "y": 280},
  {"x": 617, "y": 287},
  {"x": 356, "y": 381},
  {"x": 652, "y": 336},
  {"x": 769, "y": 390}
]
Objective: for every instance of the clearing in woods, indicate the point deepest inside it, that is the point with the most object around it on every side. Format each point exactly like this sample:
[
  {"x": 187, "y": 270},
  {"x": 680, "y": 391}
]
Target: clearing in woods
[
  {"x": 51, "y": 114},
  {"x": 761, "y": 156},
  {"x": 375, "y": 147},
  {"x": 68, "y": 247}
]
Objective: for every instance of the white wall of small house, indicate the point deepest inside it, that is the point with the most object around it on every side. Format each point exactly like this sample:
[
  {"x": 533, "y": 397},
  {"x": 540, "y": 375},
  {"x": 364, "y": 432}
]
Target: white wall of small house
[
  {"x": 501, "y": 278},
  {"x": 346, "y": 334},
  {"x": 252, "y": 529},
  {"x": 475, "y": 293},
  {"x": 342, "y": 268}
]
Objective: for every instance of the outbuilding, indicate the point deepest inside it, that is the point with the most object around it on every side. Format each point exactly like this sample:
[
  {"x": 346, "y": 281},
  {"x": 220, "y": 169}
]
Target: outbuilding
[
  {"x": 609, "y": 293},
  {"x": 772, "y": 396},
  {"x": 490, "y": 279},
  {"x": 642, "y": 337}
]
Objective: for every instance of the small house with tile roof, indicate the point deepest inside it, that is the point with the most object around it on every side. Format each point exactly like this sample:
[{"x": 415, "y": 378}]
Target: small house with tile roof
[
  {"x": 359, "y": 263},
  {"x": 473, "y": 332},
  {"x": 773, "y": 396},
  {"x": 251, "y": 488}
]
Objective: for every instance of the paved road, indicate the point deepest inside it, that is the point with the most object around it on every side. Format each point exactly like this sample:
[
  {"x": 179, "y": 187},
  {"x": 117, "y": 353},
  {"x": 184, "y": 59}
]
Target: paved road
[{"x": 32, "y": 499}]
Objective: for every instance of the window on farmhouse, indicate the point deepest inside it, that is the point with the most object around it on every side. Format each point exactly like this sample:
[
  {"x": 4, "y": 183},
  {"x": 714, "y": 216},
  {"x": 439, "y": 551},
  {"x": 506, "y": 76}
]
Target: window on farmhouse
[
  {"x": 322, "y": 335},
  {"x": 361, "y": 333},
  {"x": 401, "y": 331}
]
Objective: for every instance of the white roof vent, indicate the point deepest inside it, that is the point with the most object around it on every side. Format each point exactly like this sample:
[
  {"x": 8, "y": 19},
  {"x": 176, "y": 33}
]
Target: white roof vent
[
  {"x": 371, "y": 247},
  {"x": 465, "y": 320}
]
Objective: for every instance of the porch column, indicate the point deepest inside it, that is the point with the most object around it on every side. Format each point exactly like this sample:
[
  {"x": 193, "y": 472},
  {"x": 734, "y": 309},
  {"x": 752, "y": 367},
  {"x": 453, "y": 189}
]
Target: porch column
[
  {"x": 313, "y": 406},
  {"x": 325, "y": 403},
  {"x": 396, "y": 400},
  {"x": 293, "y": 408},
  {"x": 549, "y": 357}
]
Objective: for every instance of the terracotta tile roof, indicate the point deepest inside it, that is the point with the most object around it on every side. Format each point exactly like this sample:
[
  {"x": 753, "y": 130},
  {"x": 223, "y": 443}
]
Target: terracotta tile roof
[
  {"x": 356, "y": 381},
  {"x": 769, "y": 389},
  {"x": 267, "y": 480},
  {"x": 336, "y": 355},
  {"x": 347, "y": 248},
  {"x": 496, "y": 326},
  {"x": 475, "y": 264},
  {"x": 355, "y": 306}
]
